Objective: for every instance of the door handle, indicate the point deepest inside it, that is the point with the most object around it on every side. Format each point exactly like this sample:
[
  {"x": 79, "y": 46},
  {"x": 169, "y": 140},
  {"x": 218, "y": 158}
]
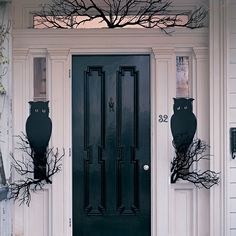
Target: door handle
[{"x": 146, "y": 167}]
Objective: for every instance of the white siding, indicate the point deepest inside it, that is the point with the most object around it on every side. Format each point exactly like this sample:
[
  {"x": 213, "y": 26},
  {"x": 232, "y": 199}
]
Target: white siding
[{"x": 231, "y": 103}]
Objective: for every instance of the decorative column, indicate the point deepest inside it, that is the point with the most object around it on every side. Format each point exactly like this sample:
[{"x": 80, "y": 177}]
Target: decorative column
[
  {"x": 60, "y": 108},
  {"x": 162, "y": 92},
  {"x": 219, "y": 202},
  {"x": 202, "y": 104},
  {"x": 20, "y": 89}
]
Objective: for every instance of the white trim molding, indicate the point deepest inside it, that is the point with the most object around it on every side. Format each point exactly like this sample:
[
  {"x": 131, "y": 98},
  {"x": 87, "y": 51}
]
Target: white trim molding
[
  {"x": 163, "y": 89},
  {"x": 218, "y": 119}
]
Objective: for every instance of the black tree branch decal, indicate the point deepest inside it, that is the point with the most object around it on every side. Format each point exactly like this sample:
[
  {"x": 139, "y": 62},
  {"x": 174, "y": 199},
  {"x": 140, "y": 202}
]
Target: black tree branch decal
[
  {"x": 184, "y": 166},
  {"x": 117, "y": 14},
  {"x": 21, "y": 189}
]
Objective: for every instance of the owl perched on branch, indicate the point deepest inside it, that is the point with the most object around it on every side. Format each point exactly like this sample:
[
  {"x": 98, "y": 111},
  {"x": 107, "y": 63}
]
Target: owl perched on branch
[
  {"x": 183, "y": 124},
  {"x": 38, "y": 130}
]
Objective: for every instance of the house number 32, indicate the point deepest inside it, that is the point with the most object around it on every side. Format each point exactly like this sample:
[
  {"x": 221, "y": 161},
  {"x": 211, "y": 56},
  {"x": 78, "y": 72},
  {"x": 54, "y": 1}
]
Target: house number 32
[{"x": 163, "y": 118}]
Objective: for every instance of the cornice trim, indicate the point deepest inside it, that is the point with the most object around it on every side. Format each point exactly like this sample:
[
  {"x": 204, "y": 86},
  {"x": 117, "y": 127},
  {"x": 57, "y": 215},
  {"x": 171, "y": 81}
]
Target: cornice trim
[
  {"x": 20, "y": 53},
  {"x": 201, "y": 52},
  {"x": 58, "y": 53},
  {"x": 165, "y": 52}
]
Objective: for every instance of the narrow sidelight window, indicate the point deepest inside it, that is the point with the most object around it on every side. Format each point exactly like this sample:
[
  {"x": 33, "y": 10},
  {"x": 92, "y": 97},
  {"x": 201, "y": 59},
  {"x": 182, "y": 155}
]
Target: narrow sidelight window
[
  {"x": 182, "y": 76},
  {"x": 40, "y": 89}
]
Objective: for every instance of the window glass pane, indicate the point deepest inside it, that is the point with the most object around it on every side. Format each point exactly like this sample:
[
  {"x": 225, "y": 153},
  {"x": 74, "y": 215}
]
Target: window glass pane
[
  {"x": 40, "y": 79},
  {"x": 182, "y": 76},
  {"x": 71, "y": 22}
]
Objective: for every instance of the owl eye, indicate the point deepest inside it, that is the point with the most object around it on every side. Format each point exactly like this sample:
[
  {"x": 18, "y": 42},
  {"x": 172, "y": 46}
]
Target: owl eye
[
  {"x": 36, "y": 110},
  {"x": 44, "y": 111},
  {"x": 185, "y": 108},
  {"x": 178, "y": 108}
]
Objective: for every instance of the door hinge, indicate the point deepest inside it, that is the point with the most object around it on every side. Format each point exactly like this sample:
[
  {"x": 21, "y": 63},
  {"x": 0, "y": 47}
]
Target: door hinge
[
  {"x": 69, "y": 73},
  {"x": 70, "y": 152},
  {"x": 70, "y": 222}
]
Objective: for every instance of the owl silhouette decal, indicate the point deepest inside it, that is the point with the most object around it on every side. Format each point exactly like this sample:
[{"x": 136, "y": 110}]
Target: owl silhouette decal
[
  {"x": 38, "y": 131},
  {"x": 183, "y": 124}
]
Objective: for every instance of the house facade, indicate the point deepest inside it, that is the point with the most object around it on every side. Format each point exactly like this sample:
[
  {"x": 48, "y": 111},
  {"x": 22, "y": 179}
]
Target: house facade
[{"x": 46, "y": 64}]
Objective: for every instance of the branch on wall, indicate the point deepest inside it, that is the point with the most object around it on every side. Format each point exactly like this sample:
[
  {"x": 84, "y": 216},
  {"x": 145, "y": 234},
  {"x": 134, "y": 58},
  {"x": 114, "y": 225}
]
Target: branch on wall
[
  {"x": 21, "y": 189},
  {"x": 117, "y": 14},
  {"x": 184, "y": 166}
]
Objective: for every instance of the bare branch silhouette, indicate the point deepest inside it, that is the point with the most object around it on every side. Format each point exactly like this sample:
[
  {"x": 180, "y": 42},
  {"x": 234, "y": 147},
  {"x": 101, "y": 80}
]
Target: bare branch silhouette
[
  {"x": 117, "y": 14},
  {"x": 182, "y": 166},
  {"x": 21, "y": 189}
]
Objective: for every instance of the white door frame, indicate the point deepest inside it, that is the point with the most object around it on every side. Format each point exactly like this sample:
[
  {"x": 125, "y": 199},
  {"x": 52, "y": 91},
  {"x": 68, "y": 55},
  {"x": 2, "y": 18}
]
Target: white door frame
[{"x": 55, "y": 45}]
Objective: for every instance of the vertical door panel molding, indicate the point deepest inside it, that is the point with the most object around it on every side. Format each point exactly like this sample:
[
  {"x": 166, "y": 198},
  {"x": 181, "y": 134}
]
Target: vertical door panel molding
[
  {"x": 125, "y": 76},
  {"x": 94, "y": 143}
]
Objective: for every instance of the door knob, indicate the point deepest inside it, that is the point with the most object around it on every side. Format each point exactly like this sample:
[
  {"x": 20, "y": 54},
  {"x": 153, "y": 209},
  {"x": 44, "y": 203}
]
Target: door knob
[{"x": 146, "y": 167}]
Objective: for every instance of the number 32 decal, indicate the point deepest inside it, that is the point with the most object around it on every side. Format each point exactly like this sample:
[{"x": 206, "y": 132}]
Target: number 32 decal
[{"x": 163, "y": 118}]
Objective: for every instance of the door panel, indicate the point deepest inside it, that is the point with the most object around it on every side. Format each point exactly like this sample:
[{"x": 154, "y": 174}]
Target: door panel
[{"x": 111, "y": 144}]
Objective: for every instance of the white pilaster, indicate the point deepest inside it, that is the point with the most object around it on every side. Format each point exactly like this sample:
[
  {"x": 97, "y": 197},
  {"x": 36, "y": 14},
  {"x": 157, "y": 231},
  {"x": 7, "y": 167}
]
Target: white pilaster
[
  {"x": 218, "y": 135},
  {"x": 59, "y": 76},
  {"x": 202, "y": 103},
  {"x": 19, "y": 111},
  {"x": 163, "y": 90}
]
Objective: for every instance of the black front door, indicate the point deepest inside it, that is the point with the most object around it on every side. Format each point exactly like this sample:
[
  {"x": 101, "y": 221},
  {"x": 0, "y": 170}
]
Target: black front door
[{"x": 111, "y": 145}]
